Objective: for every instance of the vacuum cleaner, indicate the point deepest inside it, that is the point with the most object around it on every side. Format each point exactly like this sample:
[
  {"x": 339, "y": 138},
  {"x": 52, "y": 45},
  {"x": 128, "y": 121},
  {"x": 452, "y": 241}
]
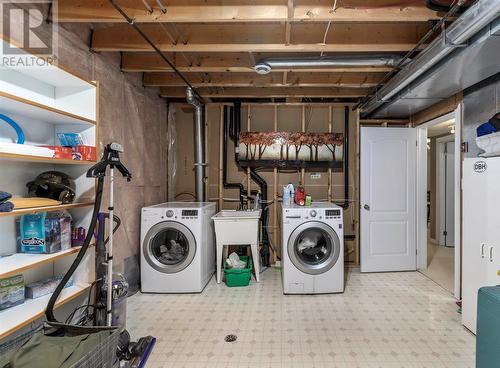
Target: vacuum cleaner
[{"x": 136, "y": 353}]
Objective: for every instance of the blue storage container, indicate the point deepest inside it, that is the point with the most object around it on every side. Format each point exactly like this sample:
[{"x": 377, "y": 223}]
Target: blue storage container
[{"x": 488, "y": 328}]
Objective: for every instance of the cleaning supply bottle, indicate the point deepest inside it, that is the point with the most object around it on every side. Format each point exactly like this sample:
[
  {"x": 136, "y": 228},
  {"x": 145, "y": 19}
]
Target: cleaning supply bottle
[
  {"x": 256, "y": 202},
  {"x": 286, "y": 196}
]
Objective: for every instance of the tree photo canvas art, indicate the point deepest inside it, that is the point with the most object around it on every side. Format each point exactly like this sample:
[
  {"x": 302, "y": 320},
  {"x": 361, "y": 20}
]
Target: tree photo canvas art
[{"x": 291, "y": 149}]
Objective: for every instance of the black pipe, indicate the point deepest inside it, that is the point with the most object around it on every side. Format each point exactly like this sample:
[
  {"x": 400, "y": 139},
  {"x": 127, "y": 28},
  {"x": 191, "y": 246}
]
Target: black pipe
[
  {"x": 431, "y": 4},
  {"x": 264, "y": 216},
  {"x": 346, "y": 158},
  {"x": 226, "y": 184},
  {"x": 235, "y": 129},
  {"x": 131, "y": 22}
]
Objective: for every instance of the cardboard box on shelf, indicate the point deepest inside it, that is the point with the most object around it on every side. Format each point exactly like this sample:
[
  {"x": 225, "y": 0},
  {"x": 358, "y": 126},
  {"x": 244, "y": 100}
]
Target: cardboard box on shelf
[
  {"x": 84, "y": 153},
  {"x": 11, "y": 291},
  {"x": 62, "y": 152}
]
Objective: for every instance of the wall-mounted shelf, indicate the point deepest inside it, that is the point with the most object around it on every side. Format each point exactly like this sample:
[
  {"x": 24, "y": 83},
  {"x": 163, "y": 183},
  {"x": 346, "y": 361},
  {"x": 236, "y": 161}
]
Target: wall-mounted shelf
[
  {"x": 47, "y": 160},
  {"x": 45, "y": 101},
  {"x": 32, "y": 309},
  {"x": 24, "y": 211},
  {"x": 20, "y": 262},
  {"x": 34, "y": 110}
]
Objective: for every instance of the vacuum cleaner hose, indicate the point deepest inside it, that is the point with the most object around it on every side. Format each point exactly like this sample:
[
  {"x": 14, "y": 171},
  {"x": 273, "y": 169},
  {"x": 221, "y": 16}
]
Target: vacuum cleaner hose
[{"x": 49, "y": 312}]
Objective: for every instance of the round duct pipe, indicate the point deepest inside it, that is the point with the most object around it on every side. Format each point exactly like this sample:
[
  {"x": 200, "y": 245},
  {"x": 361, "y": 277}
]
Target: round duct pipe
[
  {"x": 265, "y": 66},
  {"x": 199, "y": 166}
]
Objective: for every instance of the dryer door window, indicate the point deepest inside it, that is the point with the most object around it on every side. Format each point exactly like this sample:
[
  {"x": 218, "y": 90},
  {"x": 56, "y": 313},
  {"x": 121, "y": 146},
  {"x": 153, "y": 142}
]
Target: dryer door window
[
  {"x": 314, "y": 247},
  {"x": 169, "y": 247}
]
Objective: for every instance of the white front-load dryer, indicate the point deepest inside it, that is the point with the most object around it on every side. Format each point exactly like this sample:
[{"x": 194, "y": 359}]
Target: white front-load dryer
[
  {"x": 177, "y": 247},
  {"x": 312, "y": 249}
]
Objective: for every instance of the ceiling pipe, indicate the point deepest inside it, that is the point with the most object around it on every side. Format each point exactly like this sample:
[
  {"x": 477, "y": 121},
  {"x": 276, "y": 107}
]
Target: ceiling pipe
[
  {"x": 199, "y": 148},
  {"x": 265, "y": 66},
  {"x": 478, "y": 16},
  {"x": 134, "y": 25}
]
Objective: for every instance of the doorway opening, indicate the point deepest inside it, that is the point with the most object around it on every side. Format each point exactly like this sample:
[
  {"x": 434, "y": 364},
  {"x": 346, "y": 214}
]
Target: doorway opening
[
  {"x": 439, "y": 234},
  {"x": 440, "y": 204}
]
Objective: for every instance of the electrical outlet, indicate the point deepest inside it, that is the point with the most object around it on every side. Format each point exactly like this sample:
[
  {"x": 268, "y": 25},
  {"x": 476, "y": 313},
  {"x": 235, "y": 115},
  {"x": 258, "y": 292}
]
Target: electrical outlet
[{"x": 315, "y": 176}]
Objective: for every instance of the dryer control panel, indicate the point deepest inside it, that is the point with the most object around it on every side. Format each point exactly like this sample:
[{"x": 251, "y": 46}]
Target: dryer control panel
[
  {"x": 308, "y": 213},
  {"x": 333, "y": 214},
  {"x": 189, "y": 214}
]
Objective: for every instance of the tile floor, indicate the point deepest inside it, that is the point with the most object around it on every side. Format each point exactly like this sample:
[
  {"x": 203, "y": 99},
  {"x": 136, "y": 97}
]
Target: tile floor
[{"x": 386, "y": 320}]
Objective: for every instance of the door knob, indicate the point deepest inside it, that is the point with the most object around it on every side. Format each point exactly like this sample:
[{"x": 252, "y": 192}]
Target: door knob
[{"x": 366, "y": 207}]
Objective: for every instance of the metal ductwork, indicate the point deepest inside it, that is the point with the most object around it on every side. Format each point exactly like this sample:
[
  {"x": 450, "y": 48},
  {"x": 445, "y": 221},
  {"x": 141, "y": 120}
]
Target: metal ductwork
[
  {"x": 199, "y": 165},
  {"x": 265, "y": 66},
  {"x": 465, "y": 54}
]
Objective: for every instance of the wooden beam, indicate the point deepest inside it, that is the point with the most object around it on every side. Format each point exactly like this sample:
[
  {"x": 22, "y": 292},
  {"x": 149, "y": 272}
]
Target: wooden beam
[
  {"x": 268, "y": 92},
  {"x": 187, "y": 11},
  {"x": 384, "y": 121},
  {"x": 267, "y": 37},
  {"x": 288, "y": 24},
  {"x": 441, "y": 108},
  {"x": 269, "y": 80},
  {"x": 218, "y": 63}
]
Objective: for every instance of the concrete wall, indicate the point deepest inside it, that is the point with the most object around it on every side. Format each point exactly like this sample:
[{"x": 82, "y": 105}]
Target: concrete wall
[{"x": 128, "y": 114}]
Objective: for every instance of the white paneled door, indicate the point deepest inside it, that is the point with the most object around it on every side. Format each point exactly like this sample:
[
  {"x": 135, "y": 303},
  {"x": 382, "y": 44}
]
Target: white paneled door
[{"x": 388, "y": 199}]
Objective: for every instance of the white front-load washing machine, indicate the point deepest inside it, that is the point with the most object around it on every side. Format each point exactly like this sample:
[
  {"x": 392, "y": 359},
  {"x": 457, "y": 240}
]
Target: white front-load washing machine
[
  {"x": 313, "y": 249},
  {"x": 177, "y": 247}
]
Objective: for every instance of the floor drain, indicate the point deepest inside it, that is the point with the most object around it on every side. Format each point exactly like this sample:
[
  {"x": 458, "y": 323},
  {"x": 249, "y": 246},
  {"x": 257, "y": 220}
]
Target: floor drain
[{"x": 230, "y": 338}]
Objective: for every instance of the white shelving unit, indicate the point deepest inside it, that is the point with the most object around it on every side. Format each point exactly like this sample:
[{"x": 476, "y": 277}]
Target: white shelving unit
[
  {"x": 33, "y": 309},
  {"x": 44, "y": 101}
]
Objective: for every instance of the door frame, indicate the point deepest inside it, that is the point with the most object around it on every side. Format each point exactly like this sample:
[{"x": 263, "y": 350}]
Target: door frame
[
  {"x": 440, "y": 185},
  {"x": 422, "y": 193}
]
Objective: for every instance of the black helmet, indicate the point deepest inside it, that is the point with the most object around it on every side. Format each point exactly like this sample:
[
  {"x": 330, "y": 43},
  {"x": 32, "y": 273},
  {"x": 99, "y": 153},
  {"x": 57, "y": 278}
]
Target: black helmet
[{"x": 54, "y": 185}]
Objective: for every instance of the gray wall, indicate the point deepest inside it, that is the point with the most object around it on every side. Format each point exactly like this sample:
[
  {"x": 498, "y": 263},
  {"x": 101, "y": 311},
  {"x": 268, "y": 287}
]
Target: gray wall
[{"x": 479, "y": 107}]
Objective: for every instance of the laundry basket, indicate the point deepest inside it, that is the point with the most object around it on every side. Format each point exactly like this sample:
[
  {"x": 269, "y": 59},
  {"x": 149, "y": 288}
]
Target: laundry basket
[
  {"x": 239, "y": 277},
  {"x": 102, "y": 356}
]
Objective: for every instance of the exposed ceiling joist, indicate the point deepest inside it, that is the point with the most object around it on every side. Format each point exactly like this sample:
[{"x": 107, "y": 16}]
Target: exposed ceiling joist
[
  {"x": 369, "y": 37},
  {"x": 269, "y": 80},
  {"x": 218, "y": 63},
  {"x": 272, "y": 92},
  {"x": 288, "y": 24},
  {"x": 186, "y": 11}
]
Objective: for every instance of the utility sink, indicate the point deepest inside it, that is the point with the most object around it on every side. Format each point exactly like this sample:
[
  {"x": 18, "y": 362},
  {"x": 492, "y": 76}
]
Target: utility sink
[
  {"x": 237, "y": 228},
  {"x": 235, "y": 214}
]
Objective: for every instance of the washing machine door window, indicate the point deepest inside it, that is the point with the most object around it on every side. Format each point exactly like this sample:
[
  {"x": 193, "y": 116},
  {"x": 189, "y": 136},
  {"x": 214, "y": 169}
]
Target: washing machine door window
[
  {"x": 314, "y": 247},
  {"x": 169, "y": 247}
]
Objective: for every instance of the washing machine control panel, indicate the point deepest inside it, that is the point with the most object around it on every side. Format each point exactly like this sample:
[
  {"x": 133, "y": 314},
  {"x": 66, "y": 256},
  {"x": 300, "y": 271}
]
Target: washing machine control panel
[
  {"x": 189, "y": 214},
  {"x": 333, "y": 214},
  {"x": 170, "y": 213},
  {"x": 305, "y": 213}
]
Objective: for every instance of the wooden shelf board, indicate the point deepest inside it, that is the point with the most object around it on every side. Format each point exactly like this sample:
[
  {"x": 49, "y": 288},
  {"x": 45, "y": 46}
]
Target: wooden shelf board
[
  {"x": 49, "y": 160},
  {"x": 23, "y": 211},
  {"x": 20, "y": 106},
  {"x": 20, "y": 262},
  {"x": 21, "y": 315}
]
